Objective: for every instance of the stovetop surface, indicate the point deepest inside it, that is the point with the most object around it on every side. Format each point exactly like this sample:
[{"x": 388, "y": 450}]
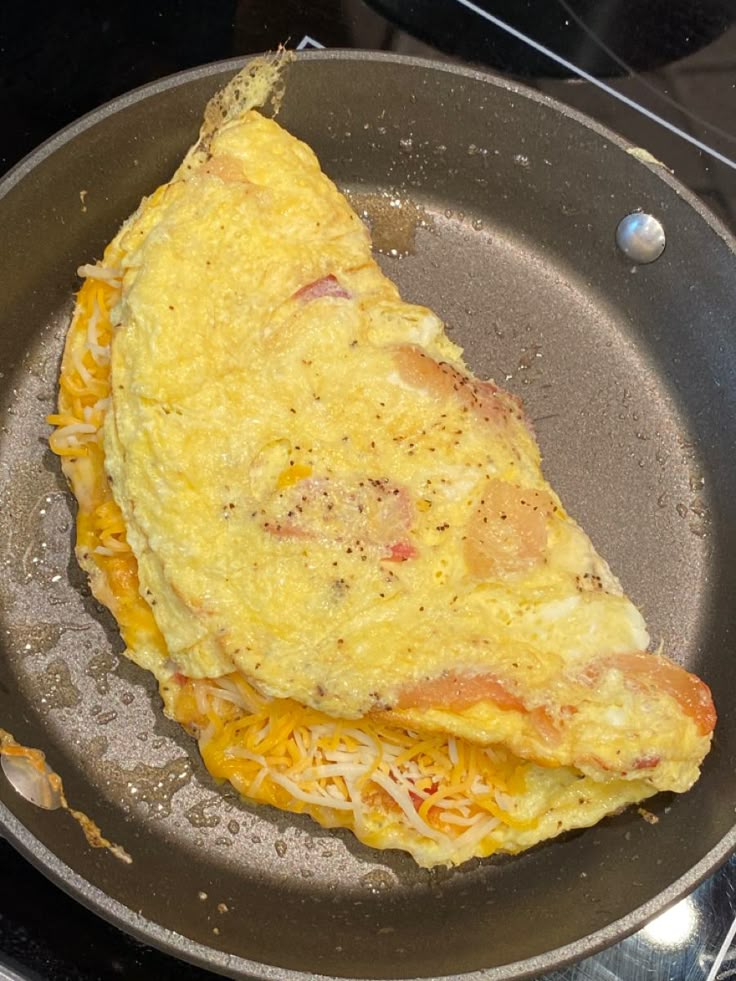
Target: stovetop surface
[{"x": 662, "y": 73}]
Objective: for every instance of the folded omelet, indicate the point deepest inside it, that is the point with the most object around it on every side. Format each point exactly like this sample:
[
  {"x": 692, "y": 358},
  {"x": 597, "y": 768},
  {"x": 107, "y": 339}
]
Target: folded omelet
[{"x": 331, "y": 543}]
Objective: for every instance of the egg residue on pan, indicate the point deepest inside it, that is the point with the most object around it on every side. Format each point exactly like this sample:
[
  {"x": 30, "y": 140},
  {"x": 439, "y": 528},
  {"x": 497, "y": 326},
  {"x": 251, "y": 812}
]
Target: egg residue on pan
[{"x": 331, "y": 543}]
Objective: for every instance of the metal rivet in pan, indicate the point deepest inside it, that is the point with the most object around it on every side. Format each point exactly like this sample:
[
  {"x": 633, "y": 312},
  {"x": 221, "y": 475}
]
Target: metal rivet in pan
[
  {"x": 31, "y": 780},
  {"x": 640, "y": 237}
]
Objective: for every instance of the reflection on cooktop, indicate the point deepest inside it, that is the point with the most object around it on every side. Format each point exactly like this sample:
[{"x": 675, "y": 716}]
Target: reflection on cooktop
[{"x": 604, "y": 39}]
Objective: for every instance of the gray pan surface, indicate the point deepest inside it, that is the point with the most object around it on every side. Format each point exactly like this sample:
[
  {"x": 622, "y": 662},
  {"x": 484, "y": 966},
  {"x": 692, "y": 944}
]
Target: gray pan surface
[{"x": 509, "y": 210}]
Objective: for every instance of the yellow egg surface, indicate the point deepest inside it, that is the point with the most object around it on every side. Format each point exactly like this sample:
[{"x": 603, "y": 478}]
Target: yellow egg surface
[{"x": 334, "y": 545}]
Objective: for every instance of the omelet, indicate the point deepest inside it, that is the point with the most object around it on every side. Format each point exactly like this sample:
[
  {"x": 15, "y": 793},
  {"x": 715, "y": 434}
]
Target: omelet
[{"x": 332, "y": 544}]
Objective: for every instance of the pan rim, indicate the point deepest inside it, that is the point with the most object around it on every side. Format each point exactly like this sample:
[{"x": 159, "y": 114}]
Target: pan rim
[
  {"x": 26, "y": 164},
  {"x": 179, "y": 946},
  {"x": 168, "y": 940}
]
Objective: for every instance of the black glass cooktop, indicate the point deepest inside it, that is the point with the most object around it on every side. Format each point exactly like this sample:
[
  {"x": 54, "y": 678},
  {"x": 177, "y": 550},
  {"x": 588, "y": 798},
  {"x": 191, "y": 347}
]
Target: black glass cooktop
[{"x": 660, "y": 72}]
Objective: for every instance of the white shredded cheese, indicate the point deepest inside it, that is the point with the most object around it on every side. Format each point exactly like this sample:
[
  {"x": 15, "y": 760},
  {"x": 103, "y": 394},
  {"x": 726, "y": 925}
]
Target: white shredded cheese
[
  {"x": 90, "y": 271},
  {"x": 238, "y": 752},
  {"x": 402, "y": 798},
  {"x": 476, "y": 833},
  {"x": 298, "y": 794}
]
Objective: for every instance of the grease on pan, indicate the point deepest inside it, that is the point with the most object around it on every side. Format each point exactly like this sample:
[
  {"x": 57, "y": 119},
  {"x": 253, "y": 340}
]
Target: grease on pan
[{"x": 29, "y": 773}]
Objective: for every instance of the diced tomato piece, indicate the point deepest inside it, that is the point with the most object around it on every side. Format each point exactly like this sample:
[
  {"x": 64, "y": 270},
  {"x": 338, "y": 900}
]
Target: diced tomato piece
[
  {"x": 357, "y": 510},
  {"x": 417, "y": 799},
  {"x": 326, "y": 286},
  {"x": 417, "y": 368},
  {"x": 485, "y": 399},
  {"x": 653, "y": 672},
  {"x": 507, "y": 534},
  {"x": 400, "y": 552},
  {"x": 289, "y": 529},
  {"x": 228, "y": 168},
  {"x": 455, "y": 691},
  {"x": 545, "y": 724}
]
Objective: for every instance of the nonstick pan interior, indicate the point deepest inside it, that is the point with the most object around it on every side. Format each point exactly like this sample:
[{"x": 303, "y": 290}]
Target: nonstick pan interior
[{"x": 507, "y": 211}]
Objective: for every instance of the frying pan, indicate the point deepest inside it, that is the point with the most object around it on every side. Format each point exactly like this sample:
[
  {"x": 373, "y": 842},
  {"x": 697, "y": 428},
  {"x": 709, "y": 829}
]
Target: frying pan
[{"x": 629, "y": 374}]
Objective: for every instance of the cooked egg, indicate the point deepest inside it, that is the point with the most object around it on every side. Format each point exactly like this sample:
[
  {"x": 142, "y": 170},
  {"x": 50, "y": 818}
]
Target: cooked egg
[{"x": 333, "y": 544}]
